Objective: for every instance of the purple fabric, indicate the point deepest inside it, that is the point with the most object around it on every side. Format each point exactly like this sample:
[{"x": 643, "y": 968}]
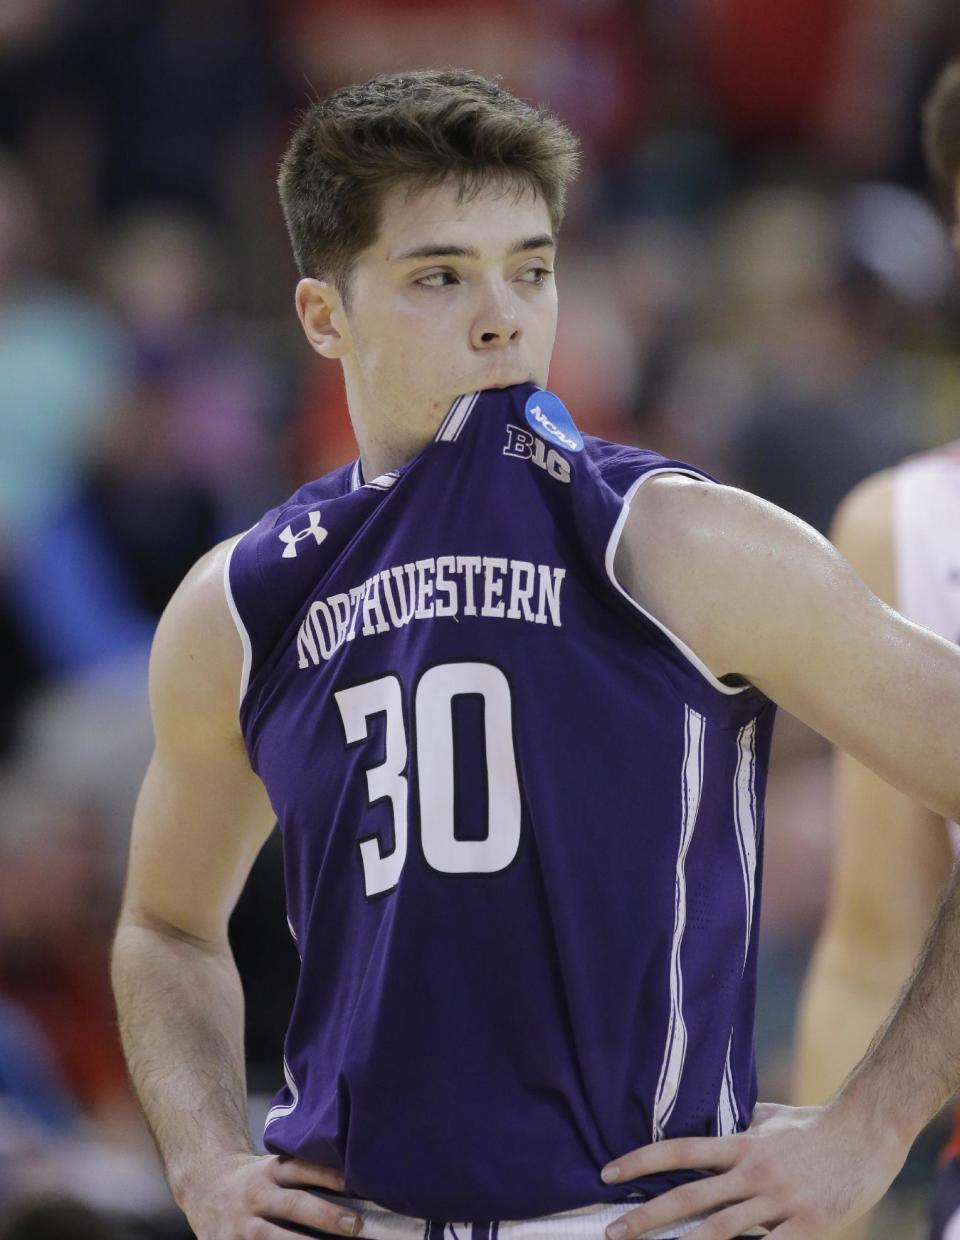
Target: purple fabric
[{"x": 478, "y": 1044}]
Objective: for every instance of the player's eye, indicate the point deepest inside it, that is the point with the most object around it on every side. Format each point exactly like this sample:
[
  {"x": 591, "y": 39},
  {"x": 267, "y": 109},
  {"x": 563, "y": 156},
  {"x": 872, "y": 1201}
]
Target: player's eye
[
  {"x": 536, "y": 275},
  {"x": 436, "y": 279}
]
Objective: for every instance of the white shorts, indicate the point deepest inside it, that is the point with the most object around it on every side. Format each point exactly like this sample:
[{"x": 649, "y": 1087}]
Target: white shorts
[{"x": 587, "y": 1223}]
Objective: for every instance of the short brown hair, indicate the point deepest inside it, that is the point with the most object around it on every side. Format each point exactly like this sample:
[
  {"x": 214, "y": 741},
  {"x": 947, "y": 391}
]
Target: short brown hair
[
  {"x": 421, "y": 127},
  {"x": 941, "y": 131}
]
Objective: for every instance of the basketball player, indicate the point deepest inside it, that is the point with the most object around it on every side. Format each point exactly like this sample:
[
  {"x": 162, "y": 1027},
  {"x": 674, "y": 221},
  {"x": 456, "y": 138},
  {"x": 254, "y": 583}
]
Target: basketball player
[
  {"x": 509, "y": 691},
  {"x": 901, "y": 531}
]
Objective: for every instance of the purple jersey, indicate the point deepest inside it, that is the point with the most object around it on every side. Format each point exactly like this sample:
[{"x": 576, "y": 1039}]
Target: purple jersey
[{"x": 521, "y": 825}]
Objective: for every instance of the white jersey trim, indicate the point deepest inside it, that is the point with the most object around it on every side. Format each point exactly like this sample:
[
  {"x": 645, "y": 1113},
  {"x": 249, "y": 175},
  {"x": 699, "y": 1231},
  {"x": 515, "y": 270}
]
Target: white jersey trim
[
  {"x": 238, "y": 622},
  {"x": 727, "y": 1114},
  {"x": 384, "y": 482},
  {"x": 585, "y": 1223},
  {"x": 675, "y": 1050},
  {"x": 278, "y": 1112},
  {"x": 745, "y": 818},
  {"x": 449, "y": 429},
  {"x": 613, "y": 544},
  {"x": 456, "y": 418},
  {"x": 745, "y": 821}
]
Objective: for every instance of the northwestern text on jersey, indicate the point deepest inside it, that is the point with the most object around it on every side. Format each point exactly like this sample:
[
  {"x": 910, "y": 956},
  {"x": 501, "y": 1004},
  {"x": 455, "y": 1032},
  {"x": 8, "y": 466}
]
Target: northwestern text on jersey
[{"x": 446, "y": 586}]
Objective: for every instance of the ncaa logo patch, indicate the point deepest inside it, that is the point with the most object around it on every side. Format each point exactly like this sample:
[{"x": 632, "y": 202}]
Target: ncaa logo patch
[{"x": 548, "y": 416}]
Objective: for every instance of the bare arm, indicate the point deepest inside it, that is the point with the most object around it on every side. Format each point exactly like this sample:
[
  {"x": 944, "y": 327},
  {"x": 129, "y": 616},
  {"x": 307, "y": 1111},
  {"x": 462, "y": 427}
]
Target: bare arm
[
  {"x": 763, "y": 597},
  {"x": 201, "y": 818},
  {"x": 891, "y": 862},
  {"x": 766, "y": 598}
]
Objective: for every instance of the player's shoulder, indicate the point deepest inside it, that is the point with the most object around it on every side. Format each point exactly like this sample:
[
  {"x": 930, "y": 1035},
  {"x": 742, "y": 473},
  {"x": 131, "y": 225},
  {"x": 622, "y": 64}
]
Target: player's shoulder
[
  {"x": 274, "y": 538},
  {"x": 202, "y": 653},
  {"x": 197, "y": 655},
  {"x": 199, "y": 604}
]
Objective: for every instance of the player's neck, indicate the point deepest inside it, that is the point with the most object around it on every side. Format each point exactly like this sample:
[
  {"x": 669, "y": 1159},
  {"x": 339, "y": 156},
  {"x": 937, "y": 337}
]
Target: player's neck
[
  {"x": 380, "y": 453},
  {"x": 389, "y": 438}
]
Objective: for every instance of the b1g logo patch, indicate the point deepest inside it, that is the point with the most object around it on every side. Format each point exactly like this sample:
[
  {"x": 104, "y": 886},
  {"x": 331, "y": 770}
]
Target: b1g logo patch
[
  {"x": 548, "y": 416},
  {"x": 529, "y": 447}
]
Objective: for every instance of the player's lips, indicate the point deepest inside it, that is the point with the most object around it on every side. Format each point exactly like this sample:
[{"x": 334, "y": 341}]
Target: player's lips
[{"x": 508, "y": 376}]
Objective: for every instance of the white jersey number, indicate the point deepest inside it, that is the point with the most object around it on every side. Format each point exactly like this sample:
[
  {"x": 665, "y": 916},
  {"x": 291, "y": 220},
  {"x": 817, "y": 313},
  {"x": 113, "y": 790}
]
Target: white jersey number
[
  {"x": 433, "y": 722},
  {"x": 357, "y": 705}
]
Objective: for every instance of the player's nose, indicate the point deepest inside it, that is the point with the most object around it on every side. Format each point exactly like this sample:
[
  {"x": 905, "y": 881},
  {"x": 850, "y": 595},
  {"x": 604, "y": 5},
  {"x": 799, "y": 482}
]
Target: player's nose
[{"x": 496, "y": 324}]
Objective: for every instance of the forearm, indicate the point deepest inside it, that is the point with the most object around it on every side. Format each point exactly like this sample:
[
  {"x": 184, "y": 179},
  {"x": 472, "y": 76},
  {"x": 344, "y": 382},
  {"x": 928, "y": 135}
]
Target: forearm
[
  {"x": 844, "y": 1003},
  {"x": 180, "y": 1005},
  {"x": 846, "y": 999},
  {"x": 912, "y": 1067}
]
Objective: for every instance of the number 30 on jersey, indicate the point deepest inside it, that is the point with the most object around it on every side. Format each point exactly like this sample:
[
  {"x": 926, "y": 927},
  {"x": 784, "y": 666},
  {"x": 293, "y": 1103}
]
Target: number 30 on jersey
[{"x": 433, "y": 722}]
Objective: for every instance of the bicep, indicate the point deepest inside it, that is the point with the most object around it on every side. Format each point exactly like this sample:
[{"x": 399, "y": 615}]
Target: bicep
[
  {"x": 202, "y": 814},
  {"x": 199, "y": 823},
  {"x": 883, "y": 689},
  {"x": 765, "y": 597}
]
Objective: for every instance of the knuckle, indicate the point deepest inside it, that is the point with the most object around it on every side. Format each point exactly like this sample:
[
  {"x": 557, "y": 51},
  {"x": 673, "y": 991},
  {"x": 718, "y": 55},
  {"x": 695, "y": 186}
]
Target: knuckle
[
  {"x": 761, "y": 1168},
  {"x": 317, "y": 1212},
  {"x": 740, "y": 1142},
  {"x": 634, "y": 1223},
  {"x": 689, "y": 1196},
  {"x": 259, "y": 1196},
  {"x": 739, "y": 1180}
]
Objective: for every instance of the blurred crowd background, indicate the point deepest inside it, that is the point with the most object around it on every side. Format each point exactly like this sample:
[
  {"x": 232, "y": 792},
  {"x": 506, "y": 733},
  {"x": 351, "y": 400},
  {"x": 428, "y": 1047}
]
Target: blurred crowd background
[{"x": 753, "y": 277}]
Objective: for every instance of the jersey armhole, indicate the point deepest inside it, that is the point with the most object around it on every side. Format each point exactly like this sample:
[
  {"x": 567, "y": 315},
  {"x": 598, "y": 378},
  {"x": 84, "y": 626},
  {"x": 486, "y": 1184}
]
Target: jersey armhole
[
  {"x": 691, "y": 656},
  {"x": 237, "y": 619}
]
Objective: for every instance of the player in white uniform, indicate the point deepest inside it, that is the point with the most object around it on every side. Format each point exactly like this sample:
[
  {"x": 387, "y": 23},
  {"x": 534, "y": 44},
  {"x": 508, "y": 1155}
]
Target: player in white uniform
[{"x": 901, "y": 531}]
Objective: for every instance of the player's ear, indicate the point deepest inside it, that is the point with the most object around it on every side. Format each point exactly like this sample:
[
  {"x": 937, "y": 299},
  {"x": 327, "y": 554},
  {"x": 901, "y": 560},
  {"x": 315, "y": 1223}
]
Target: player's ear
[{"x": 320, "y": 310}]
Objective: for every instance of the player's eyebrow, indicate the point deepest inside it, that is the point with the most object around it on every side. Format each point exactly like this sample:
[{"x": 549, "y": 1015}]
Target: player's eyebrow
[{"x": 542, "y": 241}]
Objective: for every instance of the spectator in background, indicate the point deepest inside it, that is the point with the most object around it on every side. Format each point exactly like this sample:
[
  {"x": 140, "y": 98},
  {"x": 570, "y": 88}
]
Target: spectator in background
[
  {"x": 114, "y": 548},
  {"x": 67, "y": 1118},
  {"x": 169, "y": 279},
  {"x": 179, "y": 91},
  {"x": 36, "y": 1107},
  {"x": 56, "y": 904},
  {"x": 61, "y": 363},
  {"x": 61, "y": 358},
  {"x": 822, "y": 307},
  {"x": 165, "y": 470}
]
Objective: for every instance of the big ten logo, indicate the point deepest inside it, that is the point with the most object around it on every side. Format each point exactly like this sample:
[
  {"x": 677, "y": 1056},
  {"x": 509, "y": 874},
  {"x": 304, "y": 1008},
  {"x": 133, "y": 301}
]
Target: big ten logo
[{"x": 530, "y": 447}]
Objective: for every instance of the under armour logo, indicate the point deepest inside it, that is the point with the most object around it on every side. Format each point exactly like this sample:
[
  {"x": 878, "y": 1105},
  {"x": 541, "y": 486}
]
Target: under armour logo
[{"x": 290, "y": 539}]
